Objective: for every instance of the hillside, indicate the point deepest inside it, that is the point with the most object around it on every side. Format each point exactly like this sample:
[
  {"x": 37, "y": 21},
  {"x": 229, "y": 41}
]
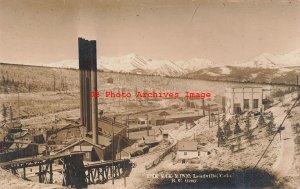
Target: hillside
[
  {"x": 265, "y": 68},
  {"x": 249, "y": 74}
]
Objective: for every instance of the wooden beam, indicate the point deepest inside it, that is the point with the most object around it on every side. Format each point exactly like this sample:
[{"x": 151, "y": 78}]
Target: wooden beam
[{"x": 51, "y": 173}]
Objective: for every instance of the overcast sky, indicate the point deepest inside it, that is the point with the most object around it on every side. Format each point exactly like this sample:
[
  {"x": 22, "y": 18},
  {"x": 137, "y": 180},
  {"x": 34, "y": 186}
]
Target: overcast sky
[{"x": 39, "y": 32}]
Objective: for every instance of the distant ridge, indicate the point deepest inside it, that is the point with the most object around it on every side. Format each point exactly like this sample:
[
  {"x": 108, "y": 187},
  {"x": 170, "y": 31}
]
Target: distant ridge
[{"x": 133, "y": 63}]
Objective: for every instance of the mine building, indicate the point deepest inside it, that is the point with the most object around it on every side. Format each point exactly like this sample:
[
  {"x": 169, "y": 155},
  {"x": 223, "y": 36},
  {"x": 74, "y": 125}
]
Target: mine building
[
  {"x": 37, "y": 138},
  {"x": 2, "y": 142},
  {"x": 142, "y": 121},
  {"x": 157, "y": 120},
  {"x": 164, "y": 133},
  {"x": 164, "y": 117},
  {"x": 187, "y": 150},
  {"x": 92, "y": 152},
  {"x": 203, "y": 152},
  {"x": 99, "y": 137},
  {"x": 19, "y": 150},
  {"x": 108, "y": 129},
  {"x": 240, "y": 99},
  {"x": 64, "y": 134},
  {"x": 129, "y": 121}
]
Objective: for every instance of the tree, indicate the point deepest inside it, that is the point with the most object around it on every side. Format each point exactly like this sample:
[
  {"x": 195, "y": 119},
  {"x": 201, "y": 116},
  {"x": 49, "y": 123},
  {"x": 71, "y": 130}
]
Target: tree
[
  {"x": 297, "y": 141},
  {"x": 237, "y": 128},
  {"x": 247, "y": 123},
  {"x": 11, "y": 114},
  {"x": 248, "y": 131},
  {"x": 227, "y": 130},
  {"x": 220, "y": 136},
  {"x": 4, "y": 111},
  {"x": 3, "y": 81},
  {"x": 296, "y": 128},
  {"x": 250, "y": 136},
  {"x": 261, "y": 121},
  {"x": 270, "y": 125},
  {"x": 238, "y": 143}
]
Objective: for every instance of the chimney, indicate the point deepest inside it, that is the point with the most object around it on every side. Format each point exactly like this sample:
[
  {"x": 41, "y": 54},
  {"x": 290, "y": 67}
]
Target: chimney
[{"x": 88, "y": 84}]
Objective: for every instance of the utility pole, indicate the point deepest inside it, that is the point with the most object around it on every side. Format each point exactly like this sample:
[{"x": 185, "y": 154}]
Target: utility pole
[
  {"x": 113, "y": 158},
  {"x": 19, "y": 102},
  {"x": 218, "y": 118},
  {"x": 118, "y": 148},
  {"x": 54, "y": 82},
  {"x": 209, "y": 115},
  {"x": 127, "y": 122},
  {"x": 147, "y": 125},
  {"x": 119, "y": 98},
  {"x": 203, "y": 106},
  {"x": 112, "y": 151},
  {"x": 10, "y": 113}
]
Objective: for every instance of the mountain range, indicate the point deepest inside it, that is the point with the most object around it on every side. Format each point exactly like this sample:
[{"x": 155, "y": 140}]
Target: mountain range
[
  {"x": 263, "y": 68},
  {"x": 133, "y": 63}
]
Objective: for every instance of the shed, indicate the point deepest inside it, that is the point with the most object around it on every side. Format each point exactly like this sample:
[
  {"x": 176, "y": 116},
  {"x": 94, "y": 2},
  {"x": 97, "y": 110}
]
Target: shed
[{"x": 187, "y": 150}]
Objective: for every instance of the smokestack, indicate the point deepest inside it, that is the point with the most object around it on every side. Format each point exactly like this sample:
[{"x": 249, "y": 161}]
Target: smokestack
[
  {"x": 88, "y": 82},
  {"x": 94, "y": 89}
]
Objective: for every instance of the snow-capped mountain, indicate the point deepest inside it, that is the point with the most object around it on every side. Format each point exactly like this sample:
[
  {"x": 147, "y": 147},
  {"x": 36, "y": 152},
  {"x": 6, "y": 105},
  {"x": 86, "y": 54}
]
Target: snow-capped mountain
[
  {"x": 132, "y": 63},
  {"x": 271, "y": 61},
  {"x": 265, "y": 68},
  {"x": 199, "y": 68},
  {"x": 196, "y": 64},
  {"x": 291, "y": 59}
]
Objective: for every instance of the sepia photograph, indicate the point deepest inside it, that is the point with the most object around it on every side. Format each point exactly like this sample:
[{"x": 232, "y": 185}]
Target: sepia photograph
[{"x": 150, "y": 94}]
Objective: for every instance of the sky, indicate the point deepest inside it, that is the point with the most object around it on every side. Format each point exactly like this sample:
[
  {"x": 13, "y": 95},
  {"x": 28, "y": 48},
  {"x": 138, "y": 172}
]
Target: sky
[{"x": 224, "y": 31}]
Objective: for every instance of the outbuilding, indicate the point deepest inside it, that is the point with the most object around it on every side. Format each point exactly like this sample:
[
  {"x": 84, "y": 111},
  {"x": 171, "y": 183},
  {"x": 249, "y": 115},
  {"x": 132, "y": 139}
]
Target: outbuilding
[{"x": 187, "y": 150}]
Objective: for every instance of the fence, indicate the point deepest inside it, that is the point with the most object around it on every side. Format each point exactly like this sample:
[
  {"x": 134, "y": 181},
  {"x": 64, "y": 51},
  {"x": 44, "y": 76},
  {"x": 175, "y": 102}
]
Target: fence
[{"x": 160, "y": 157}]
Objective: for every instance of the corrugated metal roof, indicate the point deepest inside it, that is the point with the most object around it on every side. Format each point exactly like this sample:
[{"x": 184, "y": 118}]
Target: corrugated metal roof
[
  {"x": 83, "y": 149},
  {"x": 187, "y": 146}
]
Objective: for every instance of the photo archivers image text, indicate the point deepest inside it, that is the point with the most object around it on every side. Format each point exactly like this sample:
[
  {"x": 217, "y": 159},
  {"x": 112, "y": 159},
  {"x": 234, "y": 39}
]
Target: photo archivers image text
[{"x": 153, "y": 94}]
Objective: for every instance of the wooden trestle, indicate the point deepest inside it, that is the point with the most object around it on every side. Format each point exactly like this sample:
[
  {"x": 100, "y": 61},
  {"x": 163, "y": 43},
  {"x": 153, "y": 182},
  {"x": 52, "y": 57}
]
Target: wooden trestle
[
  {"x": 75, "y": 174},
  {"x": 73, "y": 168},
  {"x": 102, "y": 172}
]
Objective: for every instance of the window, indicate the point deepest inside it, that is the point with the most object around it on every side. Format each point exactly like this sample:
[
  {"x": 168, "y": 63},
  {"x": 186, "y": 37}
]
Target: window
[
  {"x": 185, "y": 153},
  {"x": 255, "y": 103},
  {"x": 246, "y": 103}
]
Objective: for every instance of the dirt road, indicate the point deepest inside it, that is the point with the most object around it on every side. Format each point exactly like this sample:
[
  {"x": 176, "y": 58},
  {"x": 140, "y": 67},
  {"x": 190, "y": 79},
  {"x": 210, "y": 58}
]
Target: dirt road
[{"x": 285, "y": 159}]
